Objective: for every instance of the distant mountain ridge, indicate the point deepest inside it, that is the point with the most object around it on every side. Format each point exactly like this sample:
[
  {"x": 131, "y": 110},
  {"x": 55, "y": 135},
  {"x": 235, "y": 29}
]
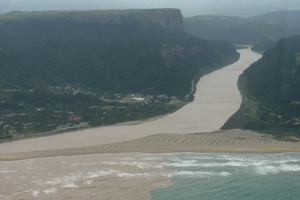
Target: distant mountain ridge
[
  {"x": 232, "y": 29},
  {"x": 262, "y": 31}
]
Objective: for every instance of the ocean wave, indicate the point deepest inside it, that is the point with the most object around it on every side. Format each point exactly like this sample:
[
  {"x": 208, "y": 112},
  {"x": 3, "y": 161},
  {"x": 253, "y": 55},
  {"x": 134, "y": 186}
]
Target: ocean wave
[
  {"x": 98, "y": 174},
  {"x": 89, "y": 182},
  {"x": 182, "y": 163},
  {"x": 8, "y": 171},
  {"x": 269, "y": 169},
  {"x": 130, "y": 175},
  {"x": 193, "y": 164},
  {"x": 70, "y": 186},
  {"x": 35, "y": 193},
  {"x": 63, "y": 180},
  {"x": 199, "y": 174},
  {"x": 50, "y": 190},
  {"x": 141, "y": 165}
]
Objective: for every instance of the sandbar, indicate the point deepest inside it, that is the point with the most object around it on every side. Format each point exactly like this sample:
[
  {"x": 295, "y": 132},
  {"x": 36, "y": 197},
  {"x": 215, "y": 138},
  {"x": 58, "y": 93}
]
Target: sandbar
[{"x": 228, "y": 141}]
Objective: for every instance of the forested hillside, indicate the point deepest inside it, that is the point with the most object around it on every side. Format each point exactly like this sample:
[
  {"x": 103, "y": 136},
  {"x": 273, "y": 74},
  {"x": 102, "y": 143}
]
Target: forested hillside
[
  {"x": 121, "y": 51},
  {"x": 71, "y": 69},
  {"x": 271, "y": 91}
]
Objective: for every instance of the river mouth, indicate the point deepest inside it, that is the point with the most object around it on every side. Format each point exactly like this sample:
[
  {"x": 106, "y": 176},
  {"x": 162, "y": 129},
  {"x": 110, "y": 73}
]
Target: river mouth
[{"x": 78, "y": 164}]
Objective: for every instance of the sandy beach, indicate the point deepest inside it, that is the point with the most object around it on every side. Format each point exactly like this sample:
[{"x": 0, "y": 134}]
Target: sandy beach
[
  {"x": 229, "y": 141},
  {"x": 108, "y": 172},
  {"x": 122, "y": 161}
]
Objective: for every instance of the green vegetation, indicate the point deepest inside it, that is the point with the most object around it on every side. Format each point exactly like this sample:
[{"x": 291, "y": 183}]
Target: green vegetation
[
  {"x": 261, "y": 31},
  {"x": 271, "y": 92},
  {"x": 28, "y": 112},
  {"x": 59, "y": 69},
  {"x": 119, "y": 56}
]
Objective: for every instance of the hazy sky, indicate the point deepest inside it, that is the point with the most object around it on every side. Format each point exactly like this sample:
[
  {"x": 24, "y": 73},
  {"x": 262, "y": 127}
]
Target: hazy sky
[{"x": 188, "y": 7}]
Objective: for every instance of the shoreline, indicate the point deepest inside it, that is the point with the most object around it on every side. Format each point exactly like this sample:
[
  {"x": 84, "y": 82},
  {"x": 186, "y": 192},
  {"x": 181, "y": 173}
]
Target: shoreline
[
  {"x": 118, "y": 177},
  {"x": 83, "y": 128},
  {"x": 229, "y": 141}
]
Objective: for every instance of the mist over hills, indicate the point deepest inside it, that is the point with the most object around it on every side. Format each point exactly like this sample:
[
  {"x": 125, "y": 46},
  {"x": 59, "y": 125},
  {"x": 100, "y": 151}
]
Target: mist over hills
[
  {"x": 233, "y": 29},
  {"x": 241, "y": 8},
  {"x": 37, "y": 5},
  {"x": 262, "y": 31},
  {"x": 270, "y": 87}
]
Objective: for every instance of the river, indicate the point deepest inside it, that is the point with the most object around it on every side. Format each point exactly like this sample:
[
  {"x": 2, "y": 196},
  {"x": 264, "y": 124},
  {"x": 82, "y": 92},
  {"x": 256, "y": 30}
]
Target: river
[{"x": 216, "y": 99}]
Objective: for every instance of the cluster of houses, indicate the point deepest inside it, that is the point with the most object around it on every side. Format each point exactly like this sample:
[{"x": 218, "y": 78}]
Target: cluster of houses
[
  {"x": 73, "y": 118},
  {"x": 137, "y": 98},
  {"x": 133, "y": 98}
]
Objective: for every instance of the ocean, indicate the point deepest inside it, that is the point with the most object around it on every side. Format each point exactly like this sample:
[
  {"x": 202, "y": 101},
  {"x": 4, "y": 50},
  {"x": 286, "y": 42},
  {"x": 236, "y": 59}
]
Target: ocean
[
  {"x": 193, "y": 176},
  {"x": 198, "y": 176}
]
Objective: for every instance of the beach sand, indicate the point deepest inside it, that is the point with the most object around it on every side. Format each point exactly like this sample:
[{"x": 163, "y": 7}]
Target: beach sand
[
  {"x": 108, "y": 172},
  {"x": 229, "y": 141}
]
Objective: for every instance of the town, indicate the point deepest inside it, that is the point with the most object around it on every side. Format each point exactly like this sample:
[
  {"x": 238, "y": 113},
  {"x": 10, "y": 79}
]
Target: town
[{"x": 29, "y": 112}]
